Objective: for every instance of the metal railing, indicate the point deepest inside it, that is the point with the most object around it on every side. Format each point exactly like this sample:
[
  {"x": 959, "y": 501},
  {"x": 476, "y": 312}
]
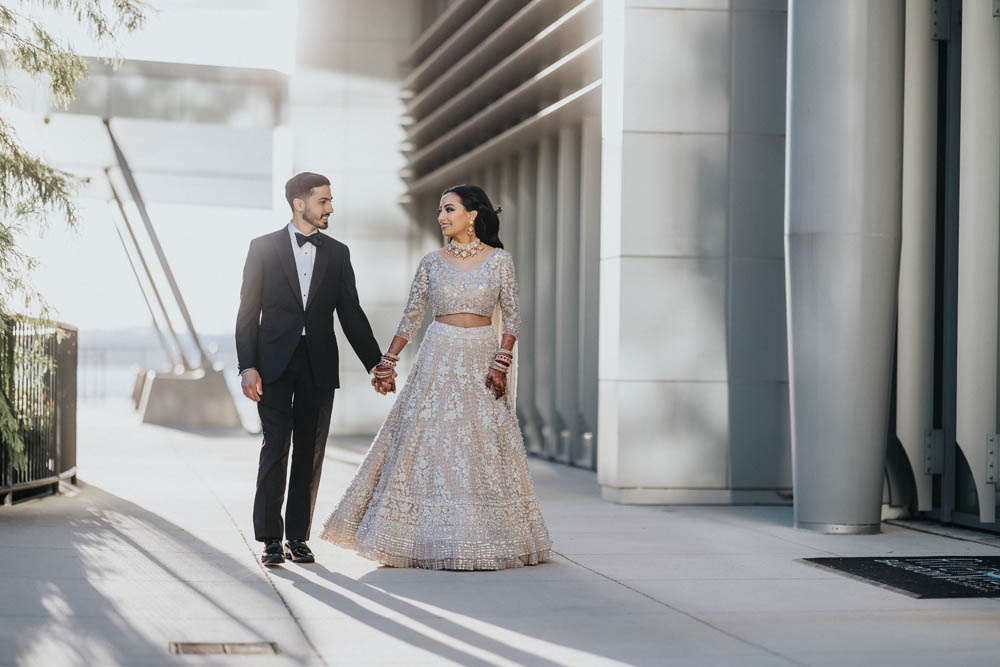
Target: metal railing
[{"x": 38, "y": 365}]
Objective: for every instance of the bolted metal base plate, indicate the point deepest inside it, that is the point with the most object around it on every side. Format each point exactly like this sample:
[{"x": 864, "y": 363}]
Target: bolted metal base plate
[{"x": 840, "y": 528}]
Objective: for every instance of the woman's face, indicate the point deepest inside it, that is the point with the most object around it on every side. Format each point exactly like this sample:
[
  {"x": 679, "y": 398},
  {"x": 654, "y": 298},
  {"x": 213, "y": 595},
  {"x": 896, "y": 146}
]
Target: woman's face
[{"x": 455, "y": 221}]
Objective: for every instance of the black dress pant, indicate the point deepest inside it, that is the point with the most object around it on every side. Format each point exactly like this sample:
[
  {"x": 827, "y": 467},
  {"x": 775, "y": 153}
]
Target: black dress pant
[{"x": 295, "y": 414}]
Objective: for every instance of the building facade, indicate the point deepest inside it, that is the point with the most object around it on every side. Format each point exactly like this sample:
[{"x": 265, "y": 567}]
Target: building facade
[
  {"x": 719, "y": 211},
  {"x": 757, "y": 240},
  {"x": 637, "y": 150}
]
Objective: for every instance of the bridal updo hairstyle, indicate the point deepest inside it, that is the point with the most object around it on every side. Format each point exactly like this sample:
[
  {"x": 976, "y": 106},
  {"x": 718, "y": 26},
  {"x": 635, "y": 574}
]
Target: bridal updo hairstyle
[{"x": 487, "y": 223}]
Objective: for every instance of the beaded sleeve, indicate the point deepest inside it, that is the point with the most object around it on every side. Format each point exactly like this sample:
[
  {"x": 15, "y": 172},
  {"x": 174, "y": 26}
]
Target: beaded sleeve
[
  {"x": 509, "y": 302},
  {"x": 416, "y": 303}
]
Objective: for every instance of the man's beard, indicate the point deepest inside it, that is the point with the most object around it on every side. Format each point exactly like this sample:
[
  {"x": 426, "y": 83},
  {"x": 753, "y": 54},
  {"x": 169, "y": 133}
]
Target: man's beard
[{"x": 319, "y": 222}]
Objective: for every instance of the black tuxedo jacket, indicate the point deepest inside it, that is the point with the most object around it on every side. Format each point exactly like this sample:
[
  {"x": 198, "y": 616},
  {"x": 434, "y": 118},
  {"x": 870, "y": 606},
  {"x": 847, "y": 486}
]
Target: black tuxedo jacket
[{"x": 271, "y": 315}]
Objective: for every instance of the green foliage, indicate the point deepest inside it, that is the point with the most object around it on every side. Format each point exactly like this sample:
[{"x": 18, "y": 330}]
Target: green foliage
[{"x": 31, "y": 191}]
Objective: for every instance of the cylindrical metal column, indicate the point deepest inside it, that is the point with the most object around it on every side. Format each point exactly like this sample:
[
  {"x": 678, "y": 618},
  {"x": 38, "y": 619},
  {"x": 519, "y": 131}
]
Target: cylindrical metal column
[
  {"x": 979, "y": 250},
  {"x": 567, "y": 331},
  {"x": 545, "y": 293},
  {"x": 842, "y": 232},
  {"x": 915, "y": 337}
]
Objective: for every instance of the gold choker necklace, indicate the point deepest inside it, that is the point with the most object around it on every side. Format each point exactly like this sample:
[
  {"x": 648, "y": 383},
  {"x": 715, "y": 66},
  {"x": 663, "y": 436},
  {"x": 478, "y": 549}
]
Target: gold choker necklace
[{"x": 464, "y": 250}]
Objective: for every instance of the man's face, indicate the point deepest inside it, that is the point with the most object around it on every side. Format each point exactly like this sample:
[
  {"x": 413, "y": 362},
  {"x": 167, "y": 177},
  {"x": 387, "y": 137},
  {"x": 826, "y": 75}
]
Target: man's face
[{"x": 318, "y": 207}]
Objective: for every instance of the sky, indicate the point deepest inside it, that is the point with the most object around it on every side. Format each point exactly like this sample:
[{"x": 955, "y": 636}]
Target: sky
[
  {"x": 232, "y": 33},
  {"x": 84, "y": 273}
]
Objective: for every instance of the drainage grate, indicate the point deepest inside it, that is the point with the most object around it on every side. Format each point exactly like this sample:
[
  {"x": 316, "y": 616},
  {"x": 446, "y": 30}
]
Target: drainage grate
[
  {"x": 925, "y": 576},
  {"x": 226, "y": 648}
]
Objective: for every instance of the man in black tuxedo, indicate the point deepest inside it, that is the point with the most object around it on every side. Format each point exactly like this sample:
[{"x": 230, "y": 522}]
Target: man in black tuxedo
[{"x": 293, "y": 281}]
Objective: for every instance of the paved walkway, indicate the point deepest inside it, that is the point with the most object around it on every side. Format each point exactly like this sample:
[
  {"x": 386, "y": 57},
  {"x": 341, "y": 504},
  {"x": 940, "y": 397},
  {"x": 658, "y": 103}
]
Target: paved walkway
[{"x": 153, "y": 548}]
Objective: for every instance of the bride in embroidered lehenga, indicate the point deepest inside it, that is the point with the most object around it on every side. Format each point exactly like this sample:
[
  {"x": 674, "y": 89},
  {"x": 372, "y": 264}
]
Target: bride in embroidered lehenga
[{"x": 445, "y": 484}]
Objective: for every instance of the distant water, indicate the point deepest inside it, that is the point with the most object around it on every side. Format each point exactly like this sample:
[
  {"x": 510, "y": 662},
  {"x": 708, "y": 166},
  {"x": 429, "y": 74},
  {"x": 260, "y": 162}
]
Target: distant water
[
  {"x": 116, "y": 381},
  {"x": 105, "y": 381}
]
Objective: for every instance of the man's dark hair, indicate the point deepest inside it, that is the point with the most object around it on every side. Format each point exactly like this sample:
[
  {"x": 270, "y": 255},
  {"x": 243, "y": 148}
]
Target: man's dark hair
[{"x": 300, "y": 186}]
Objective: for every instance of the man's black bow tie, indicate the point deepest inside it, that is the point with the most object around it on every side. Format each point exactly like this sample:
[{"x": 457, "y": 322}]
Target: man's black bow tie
[{"x": 315, "y": 239}]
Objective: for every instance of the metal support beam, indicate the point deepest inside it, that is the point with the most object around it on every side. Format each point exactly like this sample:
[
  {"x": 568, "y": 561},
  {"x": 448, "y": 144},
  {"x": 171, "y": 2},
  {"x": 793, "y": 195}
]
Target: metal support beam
[
  {"x": 152, "y": 315},
  {"x": 154, "y": 239},
  {"x": 979, "y": 251},
  {"x": 915, "y": 337},
  {"x": 940, "y": 17},
  {"x": 149, "y": 275}
]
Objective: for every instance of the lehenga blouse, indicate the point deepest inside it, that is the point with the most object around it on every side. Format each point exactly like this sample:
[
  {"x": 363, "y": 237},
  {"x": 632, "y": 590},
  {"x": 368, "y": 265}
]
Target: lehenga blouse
[{"x": 451, "y": 290}]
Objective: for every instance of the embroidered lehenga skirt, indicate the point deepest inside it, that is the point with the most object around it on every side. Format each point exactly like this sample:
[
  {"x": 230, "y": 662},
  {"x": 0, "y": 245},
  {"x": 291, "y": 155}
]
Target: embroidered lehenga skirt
[{"x": 445, "y": 484}]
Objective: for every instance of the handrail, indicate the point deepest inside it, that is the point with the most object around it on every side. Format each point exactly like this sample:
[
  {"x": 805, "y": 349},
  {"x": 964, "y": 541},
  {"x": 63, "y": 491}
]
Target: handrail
[
  {"x": 38, "y": 374},
  {"x": 45, "y": 481}
]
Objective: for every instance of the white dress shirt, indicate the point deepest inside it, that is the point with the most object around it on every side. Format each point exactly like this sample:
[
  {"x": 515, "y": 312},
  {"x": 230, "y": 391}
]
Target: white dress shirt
[{"x": 305, "y": 258}]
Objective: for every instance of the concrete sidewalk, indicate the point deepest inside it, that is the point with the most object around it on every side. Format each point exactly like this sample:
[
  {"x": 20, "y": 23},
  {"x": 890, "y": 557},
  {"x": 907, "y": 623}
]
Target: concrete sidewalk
[{"x": 155, "y": 547}]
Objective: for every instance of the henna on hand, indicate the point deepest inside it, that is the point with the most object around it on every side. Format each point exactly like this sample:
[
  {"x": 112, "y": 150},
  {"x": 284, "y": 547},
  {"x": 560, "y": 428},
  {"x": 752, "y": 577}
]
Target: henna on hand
[{"x": 496, "y": 381}]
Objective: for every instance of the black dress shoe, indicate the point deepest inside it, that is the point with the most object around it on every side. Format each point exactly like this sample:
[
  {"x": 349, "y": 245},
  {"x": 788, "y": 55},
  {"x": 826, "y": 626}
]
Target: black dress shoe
[
  {"x": 273, "y": 553},
  {"x": 299, "y": 552}
]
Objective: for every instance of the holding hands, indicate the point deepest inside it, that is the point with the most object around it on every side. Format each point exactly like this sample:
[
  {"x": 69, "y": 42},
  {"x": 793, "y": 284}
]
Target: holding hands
[
  {"x": 384, "y": 374},
  {"x": 385, "y": 386}
]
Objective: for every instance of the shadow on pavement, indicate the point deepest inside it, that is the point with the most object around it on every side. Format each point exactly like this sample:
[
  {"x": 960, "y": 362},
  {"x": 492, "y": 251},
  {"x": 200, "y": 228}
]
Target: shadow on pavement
[
  {"x": 93, "y": 579},
  {"x": 333, "y": 598}
]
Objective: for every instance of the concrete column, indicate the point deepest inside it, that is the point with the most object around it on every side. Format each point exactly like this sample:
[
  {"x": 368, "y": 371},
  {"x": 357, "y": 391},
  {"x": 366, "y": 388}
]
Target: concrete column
[
  {"x": 527, "y": 183},
  {"x": 478, "y": 177},
  {"x": 491, "y": 183},
  {"x": 979, "y": 252},
  {"x": 589, "y": 276},
  {"x": 915, "y": 336},
  {"x": 567, "y": 330},
  {"x": 545, "y": 293},
  {"x": 842, "y": 240},
  {"x": 692, "y": 404},
  {"x": 663, "y": 389},
  {"x": 507, "y": 198}
]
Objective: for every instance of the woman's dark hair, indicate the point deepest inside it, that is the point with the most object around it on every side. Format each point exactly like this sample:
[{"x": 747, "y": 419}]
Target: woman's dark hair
[{"x": 487, "y": 223}]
